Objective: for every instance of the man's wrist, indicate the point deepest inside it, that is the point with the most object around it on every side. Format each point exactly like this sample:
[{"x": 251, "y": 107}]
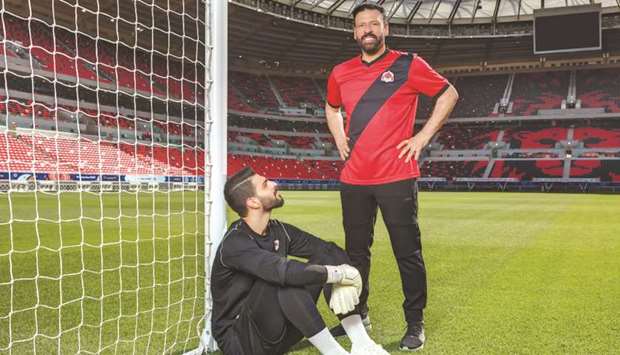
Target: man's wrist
[
  {"x": 425, "y": 135},
  {"x": 334, "y": 274}
]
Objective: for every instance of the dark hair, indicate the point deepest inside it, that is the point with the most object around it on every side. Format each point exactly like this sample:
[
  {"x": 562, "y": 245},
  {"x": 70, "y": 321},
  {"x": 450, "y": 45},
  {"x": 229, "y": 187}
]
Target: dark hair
[
  {"x": 238, "y": 189},
  {"x": 367, "y": 5}
]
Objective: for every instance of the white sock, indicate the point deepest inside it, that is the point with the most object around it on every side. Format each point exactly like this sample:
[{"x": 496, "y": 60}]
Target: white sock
[
  {"x": 355, "y": 329},
  {"x": 327, "y": 345}
]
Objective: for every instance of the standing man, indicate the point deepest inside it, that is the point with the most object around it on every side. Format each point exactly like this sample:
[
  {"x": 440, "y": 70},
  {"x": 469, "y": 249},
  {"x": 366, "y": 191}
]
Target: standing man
[
  {"x": 263, "y": 302},
  {"x": 379, "y": 92}
]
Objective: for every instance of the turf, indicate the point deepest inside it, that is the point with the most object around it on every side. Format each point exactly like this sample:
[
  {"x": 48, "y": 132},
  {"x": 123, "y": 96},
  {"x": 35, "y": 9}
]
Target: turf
[
  {"x": 97, "y": 268},
  {"x": 507, "y": 272}
]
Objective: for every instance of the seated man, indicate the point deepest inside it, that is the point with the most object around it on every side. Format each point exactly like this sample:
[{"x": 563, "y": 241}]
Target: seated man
[{"x": 263, "y": 302}]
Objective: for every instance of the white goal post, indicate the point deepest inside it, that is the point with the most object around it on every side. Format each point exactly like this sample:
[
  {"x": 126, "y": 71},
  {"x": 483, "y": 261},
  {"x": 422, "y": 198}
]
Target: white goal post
[{"x": 217, "y": 117}]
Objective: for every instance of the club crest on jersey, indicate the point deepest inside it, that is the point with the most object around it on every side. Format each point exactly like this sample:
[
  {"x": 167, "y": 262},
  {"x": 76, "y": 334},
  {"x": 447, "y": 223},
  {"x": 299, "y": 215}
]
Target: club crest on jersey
[
  {"x": 387, "y": 77},
  {"x": 276, "y": 245}
]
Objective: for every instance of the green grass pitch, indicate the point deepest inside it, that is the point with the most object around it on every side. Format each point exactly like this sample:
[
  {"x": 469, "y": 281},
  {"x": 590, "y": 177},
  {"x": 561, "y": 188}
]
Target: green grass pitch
[
  {"x": 106, "y": 266},
  {"x": 507, "y": 272}
]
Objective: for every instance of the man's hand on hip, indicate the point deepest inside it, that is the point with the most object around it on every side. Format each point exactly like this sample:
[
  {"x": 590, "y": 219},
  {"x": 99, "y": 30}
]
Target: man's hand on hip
[{"x": 413, "y": 146}]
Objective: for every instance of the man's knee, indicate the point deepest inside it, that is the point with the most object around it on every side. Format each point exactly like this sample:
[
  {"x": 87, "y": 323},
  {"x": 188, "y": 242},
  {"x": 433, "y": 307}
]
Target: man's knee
[
  {"x": 410, "y": 256},
  {"x": 335, "y": 255},
  {"x": 286, "y": 294},
  {"x": 406, "y": 241},
  {"x": 331, "y": 255}
]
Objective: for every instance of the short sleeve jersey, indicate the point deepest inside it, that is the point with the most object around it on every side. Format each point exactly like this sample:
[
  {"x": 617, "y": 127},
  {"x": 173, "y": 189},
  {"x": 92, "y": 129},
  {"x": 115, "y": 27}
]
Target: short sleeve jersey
[{"x": 380, "y": 100}]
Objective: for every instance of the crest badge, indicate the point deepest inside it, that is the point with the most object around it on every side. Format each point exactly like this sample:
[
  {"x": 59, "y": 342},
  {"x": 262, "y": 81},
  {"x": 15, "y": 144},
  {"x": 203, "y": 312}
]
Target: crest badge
[
  {"x": 276, "y": 245},
  {"x": 387, "y": 77}
]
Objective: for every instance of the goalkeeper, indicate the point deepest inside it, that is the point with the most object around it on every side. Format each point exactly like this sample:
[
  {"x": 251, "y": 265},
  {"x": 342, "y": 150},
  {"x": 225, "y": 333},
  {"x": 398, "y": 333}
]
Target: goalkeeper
[{"x": 263, "y": 302}]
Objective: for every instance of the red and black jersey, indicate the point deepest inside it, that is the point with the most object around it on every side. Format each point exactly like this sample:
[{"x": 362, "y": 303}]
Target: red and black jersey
[{"x": 380, "y": 99}]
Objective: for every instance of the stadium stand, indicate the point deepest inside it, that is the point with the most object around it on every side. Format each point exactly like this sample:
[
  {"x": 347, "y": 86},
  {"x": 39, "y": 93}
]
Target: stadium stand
[
  {"x": 534, "y": 138},
  {"x": 574, "y": 149},
  {"x": 425, "y": 106},
  {"x": 518, "y": 150},
  {"x": 295, "y": 142},
  {"x": 93, "y": 60},
  {"x": 527, "y": 169},
  {"x": 598, "y": 137},
  {"x": 277, "y": 125},
  {"x": 255, "y": 89},
  {"x": 297, "y": 91},
  {"x": 27, "y": 108},
  {"x": 282, "y": 168},
  {"x": 599, "y": 88},
  {"x": 236, "y": 102},
  {"x": 453, "y": 169},
  {"x": 603, "y": 169},
  {"x": 478, "y": 94},
  {"x": 468, "y": 137},
  {"x": 542, "y": 90},
  {"x": 40, "y": 153}
]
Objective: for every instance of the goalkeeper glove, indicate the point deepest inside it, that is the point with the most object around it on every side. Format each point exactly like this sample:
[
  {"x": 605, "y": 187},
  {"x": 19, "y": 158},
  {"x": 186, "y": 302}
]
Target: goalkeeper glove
[
  {"x": 345, "y": 275},
  {"x": 343, "y": 299}
]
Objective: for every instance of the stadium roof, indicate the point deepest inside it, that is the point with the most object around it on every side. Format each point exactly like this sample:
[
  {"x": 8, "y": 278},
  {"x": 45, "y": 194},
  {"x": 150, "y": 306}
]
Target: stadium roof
[
  {"x": 259, "y": 38},
  {"x": 447, "y": 11}
]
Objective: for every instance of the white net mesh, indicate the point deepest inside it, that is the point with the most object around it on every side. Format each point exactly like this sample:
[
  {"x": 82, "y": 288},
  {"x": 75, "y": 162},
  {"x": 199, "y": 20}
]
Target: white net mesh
[{"x": 102, "y": 179}]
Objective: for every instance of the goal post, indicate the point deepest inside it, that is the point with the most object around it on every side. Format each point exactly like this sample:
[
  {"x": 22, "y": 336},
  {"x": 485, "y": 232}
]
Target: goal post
[{"x": 217, "y": 119}]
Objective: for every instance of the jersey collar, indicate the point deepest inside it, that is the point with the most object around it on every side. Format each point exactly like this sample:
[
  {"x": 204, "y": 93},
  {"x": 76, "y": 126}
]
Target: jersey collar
[
  {"x": 252, "y": 233},
  {"x": 385, "y": 52}
]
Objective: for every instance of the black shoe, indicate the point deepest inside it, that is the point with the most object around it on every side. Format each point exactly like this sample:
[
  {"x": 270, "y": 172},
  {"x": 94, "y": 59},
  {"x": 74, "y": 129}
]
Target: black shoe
[
  {"x": 414, "y": 338},
  {"x": 338, "y": 330}
]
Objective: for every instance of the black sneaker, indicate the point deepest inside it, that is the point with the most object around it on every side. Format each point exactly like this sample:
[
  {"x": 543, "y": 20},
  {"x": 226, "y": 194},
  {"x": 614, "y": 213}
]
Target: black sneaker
[
  {"x": 414, "y": 338},
  {"x": 338, "y": 330}
]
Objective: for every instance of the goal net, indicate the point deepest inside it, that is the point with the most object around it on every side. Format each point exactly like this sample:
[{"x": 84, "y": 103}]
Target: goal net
[{"x": 104, "y": 178}]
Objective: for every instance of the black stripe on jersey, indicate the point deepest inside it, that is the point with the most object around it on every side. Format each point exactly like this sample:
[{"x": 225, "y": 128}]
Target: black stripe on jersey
[{"x": 376, "y": 95}]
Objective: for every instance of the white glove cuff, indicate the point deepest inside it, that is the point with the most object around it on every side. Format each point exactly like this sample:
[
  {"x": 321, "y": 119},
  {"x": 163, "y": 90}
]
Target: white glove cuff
[{"x": 334, "y": 274}]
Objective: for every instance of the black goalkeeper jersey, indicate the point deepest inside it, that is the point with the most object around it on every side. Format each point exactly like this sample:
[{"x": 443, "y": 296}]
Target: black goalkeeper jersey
[{"x": 245, "y": 256}]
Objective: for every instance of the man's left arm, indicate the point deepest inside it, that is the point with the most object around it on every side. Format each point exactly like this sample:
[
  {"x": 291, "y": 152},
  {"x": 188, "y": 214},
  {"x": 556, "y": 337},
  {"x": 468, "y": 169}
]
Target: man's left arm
[
  {"x": 423, "y": 79},
  {"x": 305, "y": 245},
  {"x": 413, "y": 146}
]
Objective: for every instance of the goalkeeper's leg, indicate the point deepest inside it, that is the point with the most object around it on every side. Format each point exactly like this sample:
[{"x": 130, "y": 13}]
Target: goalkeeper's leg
[
  {"x": 276, "y": 318},
  {"x": 299, "y": 305}
]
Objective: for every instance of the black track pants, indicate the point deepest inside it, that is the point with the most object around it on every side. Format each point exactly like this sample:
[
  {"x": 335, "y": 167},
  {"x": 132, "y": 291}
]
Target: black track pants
[{"x": 398, "y": 202}]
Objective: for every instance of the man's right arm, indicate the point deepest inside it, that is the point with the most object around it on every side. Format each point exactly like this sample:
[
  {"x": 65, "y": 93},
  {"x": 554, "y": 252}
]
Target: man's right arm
[
  {"x": 238, "y": 253},
  {"x": 335, "y": 122},
  {"x": 243, "y": 255}
]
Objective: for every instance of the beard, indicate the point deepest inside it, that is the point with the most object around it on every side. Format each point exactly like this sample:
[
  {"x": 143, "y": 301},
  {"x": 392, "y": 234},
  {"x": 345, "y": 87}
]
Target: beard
[
  {"x": 373, "y": 47},
  {"x": 269, "y": 204}
]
